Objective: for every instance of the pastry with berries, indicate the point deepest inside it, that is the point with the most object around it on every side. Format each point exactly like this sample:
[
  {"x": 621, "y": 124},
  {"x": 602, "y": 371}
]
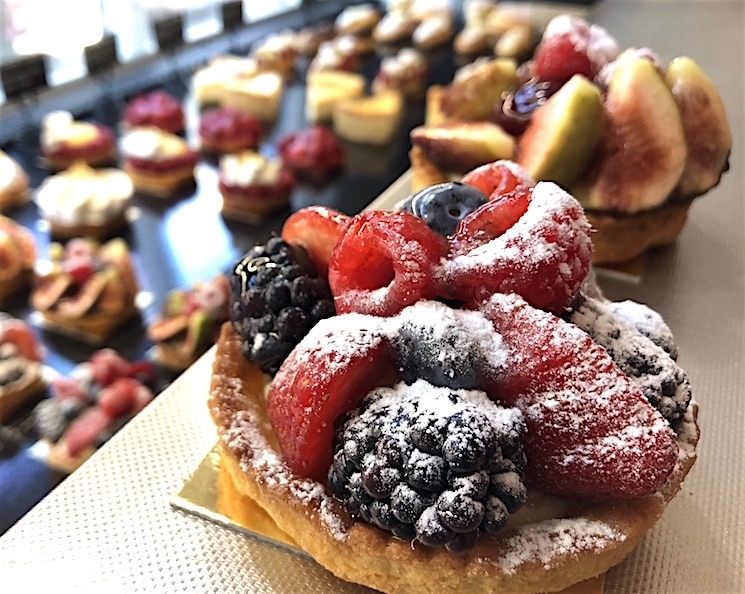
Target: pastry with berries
[
  {"x": 13, "y": 183},
  {"x": 158, "y": 109},
  {"x": 87, "y": 408},
  {"x": 17, "y": 258},
  {"x": 189, "y": 321},
  {"x": 21, "y": 358},
  {"x": 159, "y": 163},
  {"x": 65, "y": 141},
  {"x": 276, "y": 53},
  {"x": 446, "y": 430},
  {"x": 226, "y": 130},
  {"x": 253, "y": 186},
  {"x": 341, "y": 53},
  {"x": 314, "y": 153},
  {"x": 405, "y": 72},
  {"x": 86, "y": 289}
]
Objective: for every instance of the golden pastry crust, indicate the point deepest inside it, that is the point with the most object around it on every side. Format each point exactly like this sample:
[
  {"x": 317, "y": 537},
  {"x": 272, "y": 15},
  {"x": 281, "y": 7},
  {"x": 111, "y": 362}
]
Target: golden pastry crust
[
  {"x": 237, "y": 206},
  {"x": 96, "y": 157},
  {"x": 97, "y": 232},
  {"x": 361, "y": 553},
  {"x": 92, "y": 327},
  {"x": 17, "y": 393},
  {"x": 14, "y": 192},
  {"x": 160, "y": 183}
]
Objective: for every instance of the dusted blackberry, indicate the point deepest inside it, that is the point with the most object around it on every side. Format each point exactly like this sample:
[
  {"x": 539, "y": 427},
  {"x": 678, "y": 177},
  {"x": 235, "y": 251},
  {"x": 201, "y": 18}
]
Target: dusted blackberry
[
  {"x": 276, "y": 299},
  {"x": 430, "y": 463}
]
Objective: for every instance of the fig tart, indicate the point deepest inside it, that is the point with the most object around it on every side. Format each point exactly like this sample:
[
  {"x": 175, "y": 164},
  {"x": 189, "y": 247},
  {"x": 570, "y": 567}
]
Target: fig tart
[{"x": 21, "y": 356}]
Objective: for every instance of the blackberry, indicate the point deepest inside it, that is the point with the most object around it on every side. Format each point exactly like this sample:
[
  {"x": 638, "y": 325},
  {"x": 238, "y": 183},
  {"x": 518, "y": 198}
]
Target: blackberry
[
  {"x": 430, "y": 463},
  {"x": 276, "y": 298}
]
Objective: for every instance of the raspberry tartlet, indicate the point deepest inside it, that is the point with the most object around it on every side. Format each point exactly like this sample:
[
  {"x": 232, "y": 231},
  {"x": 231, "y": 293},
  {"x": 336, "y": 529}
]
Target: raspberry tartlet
[
  {"x": 253, "y": 186},
  {"x": 20, "y": 365},
  {"x": 85, "y": 202},
  {"x": 65, "y": 141},
  {"x": 522, "y": 437},
  {"x": 158, "y": 109},
  {"x": 313, "y": 153},
  {"x": 158, "y": 162},
  {"x": 225, "y": 130},
  {"x": 13, "y": 183},
  {"x": 17, "y": 258},
  {"x": 86, "y": 289}
]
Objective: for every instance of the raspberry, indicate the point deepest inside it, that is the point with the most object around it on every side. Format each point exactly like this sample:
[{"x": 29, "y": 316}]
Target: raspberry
[
  {"x": 590, "y": 431},
  {"x": 119, "y": 398},
  {"x": 500, "y": 177},
  {"x": 544, "y": 257},
  {"x": 316, "y": 229},
  {"x": 383, "y": 262},
  {"x": 313, "y": 153},
  {"x": 324, "y": 377},
  {"x": 442, "y": 491},
  {"x": 85, "y": 430},
  {"x": 107, "y": 365},
  {"x": 63, "y": 388}
]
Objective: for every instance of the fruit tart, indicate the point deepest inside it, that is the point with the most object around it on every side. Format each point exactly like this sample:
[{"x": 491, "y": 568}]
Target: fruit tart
[
  {"x": 20, "y": 365},
  {"x": 87, "y": 408},
  {"x": 158, "y": 109},
  {"x": 85, "y": 202},
  {"x": 314, "y": 153},
  {"x": 17, "y": 258},
  {"x": 86, "y": 289},
  {"x": 159, "y": 163},
  {"x": 65, "y": 141},
  {"x": 276, "y": 53},
  {"x": 405, "y": 72},
  {"x": 226, "y": 130},
  {"x": 189, "y": 322},
  {"x": 470, "y": 419},
  {"x": 253, "y": 186},
  {"x": 13, "y": 183},
  {"x": 340, "y": 53},
  {"x": 585, "y": 116}
]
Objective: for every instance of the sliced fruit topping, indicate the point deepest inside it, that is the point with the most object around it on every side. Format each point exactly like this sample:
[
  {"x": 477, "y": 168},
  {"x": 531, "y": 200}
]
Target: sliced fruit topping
[
  {"x": 591, "y": 433},
  {"x": 430, "y": 464},
  {"x": 316, "y": 229},
  {"x": 383, "y": 262},
  {"x": 442, "y": 206},
  {"x": 276, "y": 298}
]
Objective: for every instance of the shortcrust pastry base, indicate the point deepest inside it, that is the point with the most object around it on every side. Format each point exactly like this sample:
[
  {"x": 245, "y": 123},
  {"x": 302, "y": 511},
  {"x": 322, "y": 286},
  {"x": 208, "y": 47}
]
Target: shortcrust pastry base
[
  {"x": 99, "y": 157},
  {"x": 98, "y": 232},
  {"x": 17, "y": 393},
  {"x": 251, "y": 210},
  {"x": 162, "y": 184},
  {"x": 93, "y": 328},
  {"x": 14, "y": 285},
  {"x": 15, "y": 192}
]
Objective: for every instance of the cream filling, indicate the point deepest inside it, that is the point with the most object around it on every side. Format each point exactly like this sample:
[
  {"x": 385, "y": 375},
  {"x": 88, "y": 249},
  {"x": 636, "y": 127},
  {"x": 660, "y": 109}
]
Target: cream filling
[
  {"x": 248, "y": 169},
  {"x": 59, "y": 127},
  {"x": 153, "y": 144}
]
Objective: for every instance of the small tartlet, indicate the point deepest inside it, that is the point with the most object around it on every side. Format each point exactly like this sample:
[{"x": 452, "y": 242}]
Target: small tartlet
[
  {"x": 158, "y": 109},
  {"x": 65, "y": 141}
]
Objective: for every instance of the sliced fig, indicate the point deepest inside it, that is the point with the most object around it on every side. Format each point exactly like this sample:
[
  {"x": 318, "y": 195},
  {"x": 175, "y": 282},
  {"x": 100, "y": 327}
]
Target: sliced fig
[
  {"x": 198, "y": 334},
  {"x": 79, "y": 303},
  {"x": 49, "y": 290},
  {"x": 164, "y": 329}
]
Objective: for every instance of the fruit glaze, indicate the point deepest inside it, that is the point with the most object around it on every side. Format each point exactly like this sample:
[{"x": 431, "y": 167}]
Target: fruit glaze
[{"x": 454, "y": 405}]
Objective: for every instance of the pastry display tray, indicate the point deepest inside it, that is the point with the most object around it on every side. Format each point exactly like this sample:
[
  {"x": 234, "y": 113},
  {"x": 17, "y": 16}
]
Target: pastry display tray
[{"x": 111, "y": 526}]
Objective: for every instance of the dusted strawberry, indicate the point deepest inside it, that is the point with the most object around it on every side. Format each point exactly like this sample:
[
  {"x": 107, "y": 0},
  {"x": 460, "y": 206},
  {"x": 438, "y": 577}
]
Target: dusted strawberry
[
  {"x": 383, "y": 262},
  {"x": 317, "y": 229},
  {"x": 591, "y": 433}
]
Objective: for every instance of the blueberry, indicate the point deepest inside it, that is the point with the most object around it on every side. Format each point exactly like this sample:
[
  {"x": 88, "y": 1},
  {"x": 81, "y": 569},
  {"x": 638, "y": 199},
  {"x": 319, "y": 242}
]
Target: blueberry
[{"x": 442, "y": 206}]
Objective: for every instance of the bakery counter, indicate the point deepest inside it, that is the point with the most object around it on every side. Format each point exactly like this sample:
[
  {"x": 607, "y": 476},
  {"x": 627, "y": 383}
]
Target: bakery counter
[{"x": 111, "y": 525}]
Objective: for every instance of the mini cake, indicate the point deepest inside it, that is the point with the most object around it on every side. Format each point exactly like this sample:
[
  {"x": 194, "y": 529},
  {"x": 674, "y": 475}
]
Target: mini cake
[
  {"x": 13, "y": 183},
  {"x": 189, "y": 322},
  {"x": 313, "y": 153},
  {"x": 483, "y": 446},
  {"x": 86, "y": 290},
  {"x": 87, "y": 408},
  {"x": 359, "y": 19},
  {"x": 158, "y": 162},
  {"x": 208, "y": 82},
  {"x": 226, "y": 130},
  {"x": 17, "y": 256},
  {"x": 20, "y": 365},
  {"x": 158, "y": 109},
  {"x": 65, "y": 141},
  {"x": 326, "y": 88},
  {"x": 252, "y": 185},
  {"x": 259, "y": 95},
  {"x": 85, "y": 202},
  {"x": 406, "y": 73},
  {"x": 276, "y": 53},
  {"x": 368, "y": 120}
]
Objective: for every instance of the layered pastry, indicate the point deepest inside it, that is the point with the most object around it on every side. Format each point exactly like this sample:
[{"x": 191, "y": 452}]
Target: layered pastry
[
  {"x": 87, "y": 408},
  {"x": 634, "y": 138},
  {"x": 208, "y": 82},
  {"x": 65, "y": 141},
  {"x": 17, "y": 258},
  {"x": 226, "y": 130},
  {"x": 20, "y": 365},
  {"x": 13, "y": 183},
  {"x": 404, "y": 72},
  {"x": 369, "y": 119},
  {"x": 253, "y": 186},
  {"x": 487, "y": 445},
  {"x": 85, "y": 202},
  {"x": 158, "y": 109},
  {"x": 359, "y": 19},
  {"x": 276, "y": 53},
  {"x": 259, "y": 95},
  {"x": 327, "y": 88},
  {"x": 86, "y": 289},
  {"x": 313, "y": 153},
  {"x": 189, "y": 322},
  {"x": 158, "y": 162}
]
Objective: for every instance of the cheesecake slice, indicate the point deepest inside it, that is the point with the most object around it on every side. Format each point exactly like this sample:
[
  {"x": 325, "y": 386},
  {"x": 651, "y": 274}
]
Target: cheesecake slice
[
  {"x": 259, "y": 96},
  {"x": 368, "y": 120},
  {"x": 326, "y": 88}
]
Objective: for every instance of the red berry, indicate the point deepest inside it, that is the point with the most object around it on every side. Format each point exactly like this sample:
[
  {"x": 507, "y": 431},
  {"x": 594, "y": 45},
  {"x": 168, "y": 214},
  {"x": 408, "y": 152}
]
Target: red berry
[
  {"x": 107, "y": 365},
  {"x": 326, "y": 375},
  {"x": 64, "y": 388},
  {"x": 495, "y": 179},
  {"x": 383, "y": 262},
  {"x": 86, "y": 429},
  {"x": 317, "y": 229},
  {"x": 143, "y": 371},
  {"x": 591, "y": 433},
  {"x": 313, "y": 153},
  {"x": 80, "y": 268},
  {"x": 20, "y": 334},
  {"x": 119, "y": 398}
]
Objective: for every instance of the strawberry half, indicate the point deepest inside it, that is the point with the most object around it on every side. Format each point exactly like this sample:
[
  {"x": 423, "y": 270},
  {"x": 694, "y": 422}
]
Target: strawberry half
[{"x": 315, "y": 228}]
